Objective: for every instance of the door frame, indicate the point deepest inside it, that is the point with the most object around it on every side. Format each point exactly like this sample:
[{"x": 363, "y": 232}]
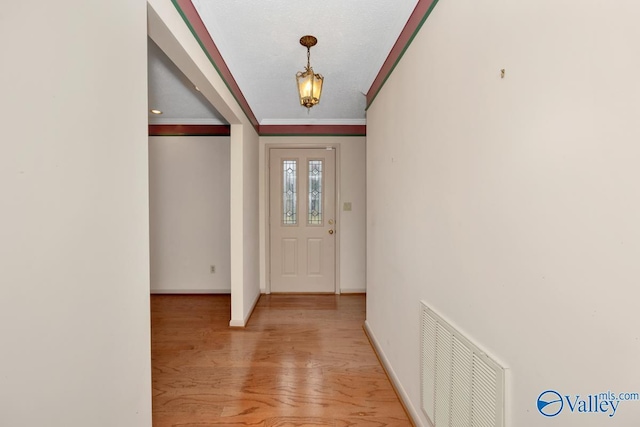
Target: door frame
[{"x": 267, "y": 201}]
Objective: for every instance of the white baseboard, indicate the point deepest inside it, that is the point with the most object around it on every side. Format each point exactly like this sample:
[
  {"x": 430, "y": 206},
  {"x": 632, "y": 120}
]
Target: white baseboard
[
  {"x": 242, "y": 323},
  {"x": 413, "y": 414},
  {"x": 190, "y": 291}
]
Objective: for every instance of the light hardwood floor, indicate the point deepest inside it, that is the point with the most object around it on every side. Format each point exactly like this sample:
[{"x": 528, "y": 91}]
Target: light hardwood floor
[{"x": 301, "y": 361}]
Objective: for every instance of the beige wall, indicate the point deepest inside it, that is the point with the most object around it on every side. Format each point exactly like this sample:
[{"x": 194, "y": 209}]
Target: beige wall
[
  {"x": 189, "y": 214},
  {"x": 511, "y": 205},
  {"x": 351, "y": 152},
  {"x": 74, "y": 240}
]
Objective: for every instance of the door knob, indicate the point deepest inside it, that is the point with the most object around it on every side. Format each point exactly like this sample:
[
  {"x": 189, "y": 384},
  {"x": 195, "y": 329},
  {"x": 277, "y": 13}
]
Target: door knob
[{"x": 330, "y": 231}]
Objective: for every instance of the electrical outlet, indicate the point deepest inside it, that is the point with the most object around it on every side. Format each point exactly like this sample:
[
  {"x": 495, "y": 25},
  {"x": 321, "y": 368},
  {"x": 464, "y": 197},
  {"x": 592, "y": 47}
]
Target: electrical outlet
[{"x": 213, "y": 269}]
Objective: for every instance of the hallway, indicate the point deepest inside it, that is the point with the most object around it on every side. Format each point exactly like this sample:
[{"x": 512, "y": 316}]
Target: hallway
[{"x": 301, "y": 361}]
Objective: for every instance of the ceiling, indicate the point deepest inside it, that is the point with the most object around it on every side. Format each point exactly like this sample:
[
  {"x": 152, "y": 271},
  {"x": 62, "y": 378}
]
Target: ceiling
[{"x": 259, "y": 42}]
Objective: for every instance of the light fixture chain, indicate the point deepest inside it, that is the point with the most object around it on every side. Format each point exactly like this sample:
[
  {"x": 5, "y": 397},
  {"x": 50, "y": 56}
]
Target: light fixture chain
[{"x": 308, "y": 57}]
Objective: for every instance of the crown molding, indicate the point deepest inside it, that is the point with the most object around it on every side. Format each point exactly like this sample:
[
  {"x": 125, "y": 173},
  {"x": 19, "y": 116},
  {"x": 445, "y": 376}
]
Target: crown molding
[
  {"x": 313, "y": 130},
  {"x": 189, "y": 130},
  {"x": 416, "y": 20},
  {"x": 313, "y": 122},
  {"x": 268, "y": 130},
  {"x": 177, "y": 121},
  {"x": 192, "y": 19}
]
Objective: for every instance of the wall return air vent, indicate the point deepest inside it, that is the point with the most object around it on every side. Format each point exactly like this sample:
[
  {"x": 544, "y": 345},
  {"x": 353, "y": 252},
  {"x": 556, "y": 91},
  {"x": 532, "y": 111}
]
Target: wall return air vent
[{"x": 461, "y": 385}]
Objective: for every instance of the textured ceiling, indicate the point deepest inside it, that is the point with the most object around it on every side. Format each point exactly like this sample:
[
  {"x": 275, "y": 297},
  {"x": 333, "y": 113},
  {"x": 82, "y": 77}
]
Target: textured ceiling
[
  {"x": 259, "y": 41},
  {"x": 173, "y": 94}
]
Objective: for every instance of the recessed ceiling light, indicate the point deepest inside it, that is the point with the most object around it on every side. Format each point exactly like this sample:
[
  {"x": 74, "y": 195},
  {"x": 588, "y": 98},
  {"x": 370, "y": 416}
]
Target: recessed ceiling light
[{"x": 154, "y": 111}]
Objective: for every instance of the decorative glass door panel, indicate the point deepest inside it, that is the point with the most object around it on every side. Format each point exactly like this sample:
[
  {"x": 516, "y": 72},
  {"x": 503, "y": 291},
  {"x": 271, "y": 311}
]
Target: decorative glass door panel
[
  {"x": 289, "y": 192},
  {"x": 315, "y": 192}
]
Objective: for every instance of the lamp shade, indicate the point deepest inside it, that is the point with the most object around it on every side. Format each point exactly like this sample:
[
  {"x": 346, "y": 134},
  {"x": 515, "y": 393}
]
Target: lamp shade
[{"x": 309, "y": 87}]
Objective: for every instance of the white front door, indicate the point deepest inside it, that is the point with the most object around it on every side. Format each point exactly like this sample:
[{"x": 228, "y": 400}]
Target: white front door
[{"x": 302, "y": 220}]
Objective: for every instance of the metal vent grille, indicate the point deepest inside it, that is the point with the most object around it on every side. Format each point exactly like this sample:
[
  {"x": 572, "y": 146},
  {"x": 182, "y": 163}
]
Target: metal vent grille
[{"x": 461, "y": 385}]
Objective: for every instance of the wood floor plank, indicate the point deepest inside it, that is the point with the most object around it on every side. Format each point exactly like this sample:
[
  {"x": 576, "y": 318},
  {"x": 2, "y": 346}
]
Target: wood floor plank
[{"x": 303, "y": 360}]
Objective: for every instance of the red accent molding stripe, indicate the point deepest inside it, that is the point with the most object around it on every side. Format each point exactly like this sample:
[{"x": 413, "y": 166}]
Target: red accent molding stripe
[
  {"x": 264, "y": 130},
  {"x": 199, "y": 30},
  {"x": 189, "y": 130},
  {"x": 313, "y": 130},
  {"x": 418, "y": 17}
]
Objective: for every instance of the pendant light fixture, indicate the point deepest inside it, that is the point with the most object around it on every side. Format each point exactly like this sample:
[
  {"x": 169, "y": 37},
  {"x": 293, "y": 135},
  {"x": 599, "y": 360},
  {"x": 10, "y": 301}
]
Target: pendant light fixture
[{"x": 309, "y": 84}]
